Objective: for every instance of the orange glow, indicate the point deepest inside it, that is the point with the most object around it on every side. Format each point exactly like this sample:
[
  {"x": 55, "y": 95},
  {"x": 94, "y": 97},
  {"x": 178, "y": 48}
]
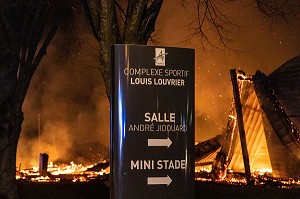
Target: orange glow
[{"x": 57, "y": 172}]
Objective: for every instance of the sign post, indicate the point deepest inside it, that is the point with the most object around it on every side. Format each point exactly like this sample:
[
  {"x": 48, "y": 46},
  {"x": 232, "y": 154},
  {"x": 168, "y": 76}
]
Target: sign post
[{"x": 152, "y": 122}]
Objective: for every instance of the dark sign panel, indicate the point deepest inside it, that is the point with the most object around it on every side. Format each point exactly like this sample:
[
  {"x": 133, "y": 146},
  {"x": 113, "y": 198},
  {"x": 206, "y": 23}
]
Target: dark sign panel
[{"x": 152, "y": 122}]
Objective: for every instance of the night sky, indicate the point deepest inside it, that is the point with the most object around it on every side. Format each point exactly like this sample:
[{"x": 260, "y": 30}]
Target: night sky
[{"x": 67, "y": 89}]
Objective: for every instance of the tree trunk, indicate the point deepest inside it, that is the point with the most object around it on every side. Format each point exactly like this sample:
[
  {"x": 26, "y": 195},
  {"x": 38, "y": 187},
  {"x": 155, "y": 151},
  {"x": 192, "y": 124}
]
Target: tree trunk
[
  {"x": 108, "y": 34},
  {"x": 137, "y": 25},
  {"x": 10, "y": 128},
  {"x": 26, "y": 29}
]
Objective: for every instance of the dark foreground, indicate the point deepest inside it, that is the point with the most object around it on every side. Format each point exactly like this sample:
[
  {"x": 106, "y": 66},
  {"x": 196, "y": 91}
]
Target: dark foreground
[{"x": 98, "y": 190}]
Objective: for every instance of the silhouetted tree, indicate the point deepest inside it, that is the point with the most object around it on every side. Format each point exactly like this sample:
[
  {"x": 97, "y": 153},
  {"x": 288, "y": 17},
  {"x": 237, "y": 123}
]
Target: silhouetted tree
[
  {"x": 133, "y": 22},
  {"x": 26, "y": 29},
  {"x": 116, "y": 22},
  {"x": 214, "y": 28}
]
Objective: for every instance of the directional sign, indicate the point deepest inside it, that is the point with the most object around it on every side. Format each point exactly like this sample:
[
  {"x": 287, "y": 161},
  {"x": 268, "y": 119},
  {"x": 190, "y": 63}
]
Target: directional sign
[
  {"x": 160, "y": 142},
  {"x": 152, "y": 122},
  {"x": 159, "y": 180}
]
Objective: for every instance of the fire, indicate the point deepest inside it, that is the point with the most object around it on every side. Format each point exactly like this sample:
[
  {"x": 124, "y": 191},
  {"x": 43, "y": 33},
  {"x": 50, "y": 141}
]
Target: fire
[
  {"x": 262, "y": 171},
  {"x": 71, "y": 168},
  {"x": 260, "y": 177},
  {"x": 62, "y": 172},
  {"x": 79, "y": 173}
]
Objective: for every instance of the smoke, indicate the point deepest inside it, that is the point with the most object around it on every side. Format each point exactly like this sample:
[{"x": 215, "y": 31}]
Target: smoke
[
  {"x": 256, "y": 43},
  {"x": 68, "y": 93},
  {"x": 66, "y": 112},
  {"x": 50, "y": 142}
]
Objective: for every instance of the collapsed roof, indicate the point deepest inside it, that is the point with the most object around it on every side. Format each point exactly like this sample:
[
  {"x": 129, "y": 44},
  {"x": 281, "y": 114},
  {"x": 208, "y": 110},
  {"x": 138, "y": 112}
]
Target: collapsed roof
[{"x": 271, "y": 115}]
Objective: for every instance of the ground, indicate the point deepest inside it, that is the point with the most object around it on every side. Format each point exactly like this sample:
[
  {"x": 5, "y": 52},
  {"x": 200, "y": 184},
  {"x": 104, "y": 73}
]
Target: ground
[{"x": 98, "y": 190}]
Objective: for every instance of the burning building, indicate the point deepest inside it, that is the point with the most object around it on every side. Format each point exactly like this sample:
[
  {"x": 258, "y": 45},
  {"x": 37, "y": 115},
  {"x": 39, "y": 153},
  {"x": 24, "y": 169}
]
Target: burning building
[{"x": 271, "y": 116}]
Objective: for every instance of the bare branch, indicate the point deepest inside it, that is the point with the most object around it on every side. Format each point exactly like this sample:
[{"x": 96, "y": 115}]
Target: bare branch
[
  {"x": 212, "y": 26},
  {"x": 148, "y": 20},
  {"x": 91, "y": 18},
  {"x": 36, "y": 31},
  {"x": 28, "y": 68},
  {"x": 278, "y": 9},
  {"x": 123, "y": 14},
  {"x": 45, "y": 44},
  {"x": 133, "y": 20}
]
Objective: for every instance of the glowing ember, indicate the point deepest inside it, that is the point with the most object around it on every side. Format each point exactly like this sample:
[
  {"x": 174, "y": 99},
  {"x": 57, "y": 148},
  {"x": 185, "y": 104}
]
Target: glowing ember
[
  {"x": 261, "y": 177},
  {"x": 62, "y": 172},
  {"x": 78, "y": 173},
  {"x": 71, "y": 168}
]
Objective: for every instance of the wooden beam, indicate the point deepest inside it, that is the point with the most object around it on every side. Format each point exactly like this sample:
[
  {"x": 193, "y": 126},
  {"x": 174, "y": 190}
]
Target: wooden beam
[{"x": 239, "y": 113}]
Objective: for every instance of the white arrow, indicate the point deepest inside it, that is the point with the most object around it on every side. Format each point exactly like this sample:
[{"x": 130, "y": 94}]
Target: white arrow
[
  {"x": 159, "y": 142},
  {"x": 159, "y": 180}
]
